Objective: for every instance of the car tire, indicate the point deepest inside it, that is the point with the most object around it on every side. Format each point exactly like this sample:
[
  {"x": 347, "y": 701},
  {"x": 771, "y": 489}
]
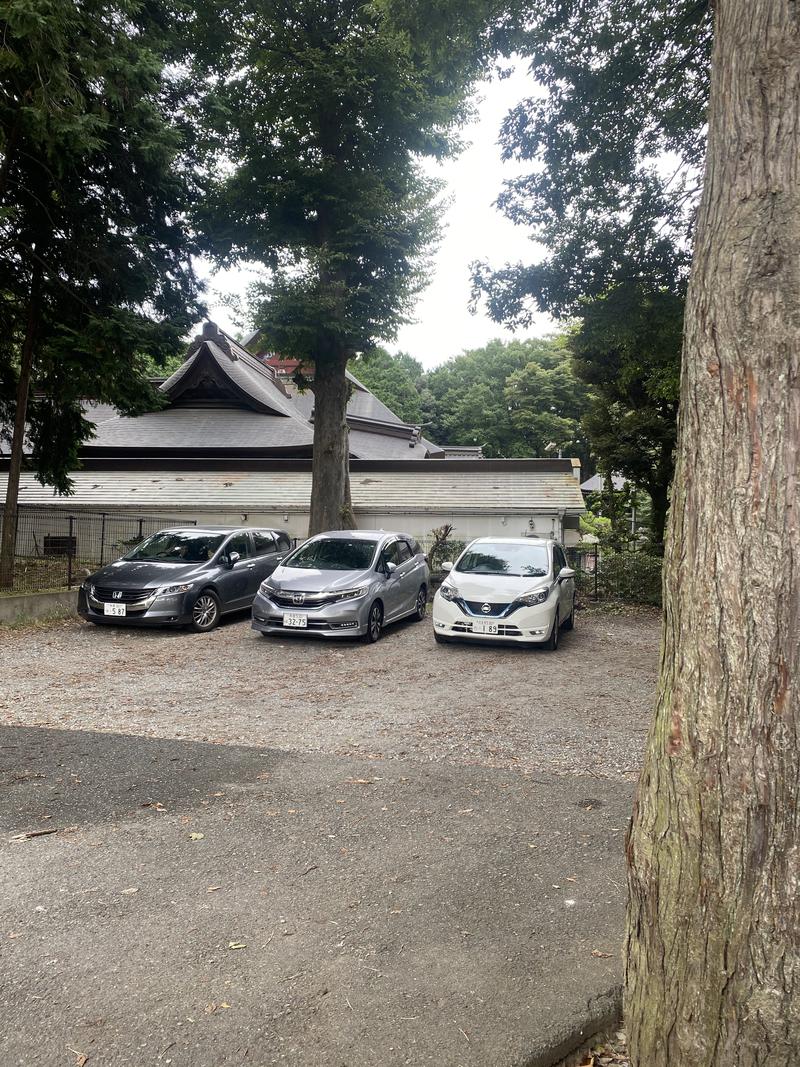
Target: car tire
[
  {"x": 551, "y": 644},
  {"x": 374, "y": 624},
  {"x": 421, "y": 607},
  {"x": 440, "y": 639},
  {"x": 569, "y": 624},
  {"x": 206, "y": 612}
]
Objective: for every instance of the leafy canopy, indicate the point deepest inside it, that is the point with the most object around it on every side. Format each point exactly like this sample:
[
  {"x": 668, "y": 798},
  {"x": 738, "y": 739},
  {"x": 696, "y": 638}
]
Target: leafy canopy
[
  {"x": 393, "y": 379},
  {"x": 616, "y": 140},
  {"x": 93, "y": 190},
  {"x": 324, "y": 107}
]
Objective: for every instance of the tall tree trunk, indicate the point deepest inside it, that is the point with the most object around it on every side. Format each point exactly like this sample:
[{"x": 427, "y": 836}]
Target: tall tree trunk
[
  {"x": 331, "y": 506},
  {"x": 9, "y": 532},
  {"x": 713, "y": 945}
]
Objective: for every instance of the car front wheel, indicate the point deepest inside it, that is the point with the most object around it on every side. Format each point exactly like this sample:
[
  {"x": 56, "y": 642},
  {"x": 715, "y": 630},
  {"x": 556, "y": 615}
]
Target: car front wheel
[
  {"x": 205, "y": 612},
  {"x": 374, "y": 624}
]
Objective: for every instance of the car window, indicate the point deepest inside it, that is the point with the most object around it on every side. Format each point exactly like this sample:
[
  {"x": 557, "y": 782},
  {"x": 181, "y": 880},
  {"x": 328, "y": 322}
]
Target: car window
[
  {"x": 181, "y": 546},
  {"x": 502, "y": 558},
  {"x": 403, "y": 552},
  {"x": 239, "y": 543},
  {"x": 560, "y": 560},
  {"x": 391, "y": 553},
  {"x": 283, "y": 541},
  {"x": 333, "y": 554},
  {"x": 264, "y": 542}
]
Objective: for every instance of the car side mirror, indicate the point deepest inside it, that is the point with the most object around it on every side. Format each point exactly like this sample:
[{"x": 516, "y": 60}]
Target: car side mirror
[
  {"x": 565, "y": 572},
  {"x": 390, "y": 568},
  {"x": 447, "y": 566},
  {"x": 232, "y": 559}
]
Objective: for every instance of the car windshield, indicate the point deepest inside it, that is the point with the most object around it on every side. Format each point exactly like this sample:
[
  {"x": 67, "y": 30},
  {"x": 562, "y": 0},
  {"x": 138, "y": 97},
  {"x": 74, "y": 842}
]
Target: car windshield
[
  {"x": 177, "y": 547},
  {"x": 333, "y": 554},
  {"x": 511, "y": 561}
]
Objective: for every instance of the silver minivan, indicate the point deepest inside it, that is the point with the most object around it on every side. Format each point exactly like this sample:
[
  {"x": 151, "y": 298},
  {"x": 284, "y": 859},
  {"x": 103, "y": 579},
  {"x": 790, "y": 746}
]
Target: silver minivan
[{"x": 345, "y": 583}]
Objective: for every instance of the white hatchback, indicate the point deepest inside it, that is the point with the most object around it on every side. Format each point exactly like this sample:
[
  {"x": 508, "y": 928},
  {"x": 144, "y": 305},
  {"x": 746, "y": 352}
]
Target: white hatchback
[{"x": 510, "y": 589}]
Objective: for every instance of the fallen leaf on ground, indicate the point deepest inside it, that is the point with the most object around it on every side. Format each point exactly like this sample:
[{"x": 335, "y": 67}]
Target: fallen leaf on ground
[
  {"x": 132, "y": 889},
  {"x": 237, "y": 944},
  {"x": 32, "y": 833},
  {"x": 601, "y": 955},
  {"x": 196, "y": 837},
  {"x": 213, "y": 888}
]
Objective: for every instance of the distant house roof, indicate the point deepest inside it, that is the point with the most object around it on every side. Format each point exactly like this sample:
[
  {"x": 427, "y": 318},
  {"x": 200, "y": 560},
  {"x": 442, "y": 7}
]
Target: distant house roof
[
  {"x": 225, "y": 399},
  {"x": 598, "y": 481},
  {"x": 463, "y": 451},
  {"x": 452, "y": 487}
]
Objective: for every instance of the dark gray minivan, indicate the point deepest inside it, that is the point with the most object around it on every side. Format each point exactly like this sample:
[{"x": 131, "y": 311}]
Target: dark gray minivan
[{"x": 184, "y": 576}]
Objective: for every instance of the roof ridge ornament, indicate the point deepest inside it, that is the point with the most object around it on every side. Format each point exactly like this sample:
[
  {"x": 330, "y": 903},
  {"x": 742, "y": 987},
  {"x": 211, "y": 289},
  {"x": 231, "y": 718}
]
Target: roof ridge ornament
[{"x": 212, "y": 332}]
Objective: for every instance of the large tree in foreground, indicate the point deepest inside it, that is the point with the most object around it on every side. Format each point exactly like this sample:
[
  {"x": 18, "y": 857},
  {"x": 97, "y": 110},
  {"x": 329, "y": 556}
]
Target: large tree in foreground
[
  {"x": 713, "y": 947},
  {"x": 93, "y": 251},
  {"x": 322, "y": 109}
]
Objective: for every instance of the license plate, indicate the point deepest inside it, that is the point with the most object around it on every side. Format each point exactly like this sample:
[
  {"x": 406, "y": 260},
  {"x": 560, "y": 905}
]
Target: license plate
[
  {"x": 115, "y": 609},
  {"x": 299, "y": 622},
  {"x": 483, "y": 627}
]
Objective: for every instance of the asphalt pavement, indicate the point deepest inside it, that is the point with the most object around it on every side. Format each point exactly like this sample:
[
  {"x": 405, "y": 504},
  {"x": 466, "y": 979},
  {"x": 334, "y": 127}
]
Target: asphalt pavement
[{"x": 204, "y": 904}]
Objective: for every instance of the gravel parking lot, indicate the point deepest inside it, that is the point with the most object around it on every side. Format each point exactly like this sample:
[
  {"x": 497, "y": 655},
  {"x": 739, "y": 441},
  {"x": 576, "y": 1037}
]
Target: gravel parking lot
[{"x": 583, "y": 710}]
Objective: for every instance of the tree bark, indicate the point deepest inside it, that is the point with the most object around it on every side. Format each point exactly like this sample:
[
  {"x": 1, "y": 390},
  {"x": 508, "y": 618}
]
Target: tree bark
[
  {"x": 9, "y": 531},
  {"x": 713, "y": 942},
  {"x": 331, "y": 506}
]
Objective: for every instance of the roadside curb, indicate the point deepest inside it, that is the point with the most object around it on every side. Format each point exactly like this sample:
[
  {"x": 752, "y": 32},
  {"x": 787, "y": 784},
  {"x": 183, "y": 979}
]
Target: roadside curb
[
  {"x": 564, "y": 1049},
  {"x": 27, "y": 607}
]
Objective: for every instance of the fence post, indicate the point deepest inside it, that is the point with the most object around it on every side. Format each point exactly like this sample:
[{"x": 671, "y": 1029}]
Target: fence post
[
  {"x": 69, "y": 552},
  {"x": 596, "y": 560},
  {"x": 102, "y": 537}
]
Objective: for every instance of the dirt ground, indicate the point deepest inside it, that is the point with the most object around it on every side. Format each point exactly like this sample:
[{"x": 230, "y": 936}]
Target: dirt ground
[{"x": 583, "y": 710}]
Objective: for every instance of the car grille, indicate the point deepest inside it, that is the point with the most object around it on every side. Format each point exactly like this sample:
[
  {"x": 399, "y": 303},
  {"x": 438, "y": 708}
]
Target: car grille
[
  {"x": 475, "y": 607},
  {"x": 105, "y": 594}
]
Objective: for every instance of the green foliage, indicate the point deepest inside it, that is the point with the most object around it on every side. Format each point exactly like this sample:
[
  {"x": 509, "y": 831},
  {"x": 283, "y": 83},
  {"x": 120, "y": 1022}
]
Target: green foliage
[
  {"x": 617, "y": 138},
  {"x": 443, "y": 546},
  {"x": 513, "y": 398},
  {"x": 616, "y": 141},
  {"x": 393, "y": 379},
  {"x": 93, "y": 250},
  {"x": 324, "y": 109},
  {"x": 627, "y": 350},
  {"x": 630, "y": 576}
]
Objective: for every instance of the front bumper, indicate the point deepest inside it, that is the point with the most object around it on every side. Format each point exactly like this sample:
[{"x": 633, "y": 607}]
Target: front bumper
[
  {"x": 346, "y": 619},
  {"x": 528, "y": 626},
  {"x": 173, "y": 610}
]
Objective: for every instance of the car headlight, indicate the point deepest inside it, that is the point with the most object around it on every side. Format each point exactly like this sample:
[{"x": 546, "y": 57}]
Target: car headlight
[
  {"x": 173, "y": 590},
  {"x": 268, "y": 586},
  {"x": 87, "y": 587},
  {"x": 449, "y": 592},
  {"x": 352, "y": 594},
  {"x": 535, "y": 596}
]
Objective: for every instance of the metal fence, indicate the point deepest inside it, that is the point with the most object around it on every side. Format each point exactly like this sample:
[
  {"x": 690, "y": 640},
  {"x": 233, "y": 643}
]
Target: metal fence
[
  {"x": 632, "y": 575},
  {"x": 56, "y": 549}
]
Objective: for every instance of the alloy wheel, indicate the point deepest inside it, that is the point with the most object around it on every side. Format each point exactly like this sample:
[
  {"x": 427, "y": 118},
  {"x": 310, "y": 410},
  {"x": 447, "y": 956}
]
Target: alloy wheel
[
  {"x": 205, "y": 612},
  {"x": 374, "y": 624},
  {"x": 422, "y": 604}
]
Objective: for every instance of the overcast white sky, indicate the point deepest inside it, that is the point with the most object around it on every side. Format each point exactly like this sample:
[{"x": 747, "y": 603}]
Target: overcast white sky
[{"x": 475, "y": 229}]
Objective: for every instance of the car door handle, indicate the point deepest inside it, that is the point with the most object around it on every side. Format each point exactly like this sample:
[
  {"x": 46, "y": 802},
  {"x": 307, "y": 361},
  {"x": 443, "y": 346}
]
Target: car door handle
[{"x": 250, "y": 567}]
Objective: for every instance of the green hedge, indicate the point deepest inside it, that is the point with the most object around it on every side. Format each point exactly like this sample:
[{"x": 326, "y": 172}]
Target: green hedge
[{"x": 631, "y": 576}]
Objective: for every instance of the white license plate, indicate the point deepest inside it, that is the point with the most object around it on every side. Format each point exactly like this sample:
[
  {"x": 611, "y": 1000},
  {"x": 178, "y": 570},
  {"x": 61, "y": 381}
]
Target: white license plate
[
  {"x": 115, "y": 609},
  {"x": 299, "y": 622},
  {"x": 483, "y": 627}
]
